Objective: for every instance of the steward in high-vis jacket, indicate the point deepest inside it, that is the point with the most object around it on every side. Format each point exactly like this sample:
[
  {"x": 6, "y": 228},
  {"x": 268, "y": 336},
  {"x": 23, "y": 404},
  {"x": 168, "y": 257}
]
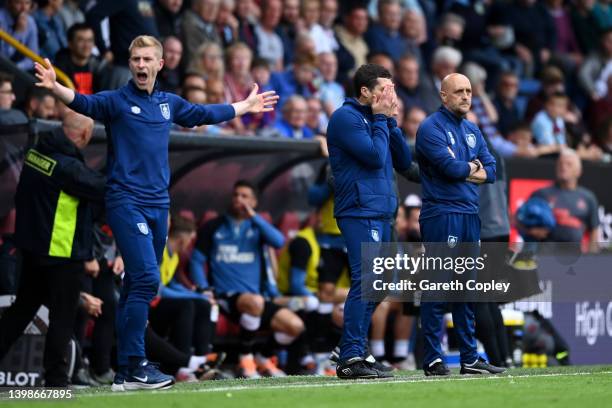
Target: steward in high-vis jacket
[{"x": 53, "y": 230}]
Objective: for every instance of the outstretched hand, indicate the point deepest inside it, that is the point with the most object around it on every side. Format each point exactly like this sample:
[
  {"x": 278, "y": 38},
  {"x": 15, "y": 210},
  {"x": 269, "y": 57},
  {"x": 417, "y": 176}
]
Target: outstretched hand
[
  {"x": 263, "y": 102},
  {"x": 45, "y": 74}
]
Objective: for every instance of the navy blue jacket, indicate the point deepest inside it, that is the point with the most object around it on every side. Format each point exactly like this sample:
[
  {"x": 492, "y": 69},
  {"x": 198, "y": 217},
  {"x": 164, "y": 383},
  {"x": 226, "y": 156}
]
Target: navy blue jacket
[
  {"x": 443, "y": 175},
  {"x": 363, "y": 150},
  {"x": 138, "y": 131}
]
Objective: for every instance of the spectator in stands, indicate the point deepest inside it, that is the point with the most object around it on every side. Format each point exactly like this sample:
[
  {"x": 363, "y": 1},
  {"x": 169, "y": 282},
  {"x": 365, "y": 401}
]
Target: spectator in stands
[
  {"x": 553, "y": 81},
  {"x": 127, "y": 20},
  {"x": 412, "y": 89},
  {"x": 198, "y": 26},
  {"x": 208, "y": 61},
  {"x": 231, "y": 245},
  {"x": 353, "y": 47},
  {"x": 168, "y": 17},
  {"x": 600, "y": 111},
  {"x": 169, "y": 78},
  {"x": 227, "y": 24},
  {"x": 485, "y": 111},
  {"x": 297, "y": 80},
  {"x": 215, "y": 92},
  {"x": 316, "y": 119},
  {"x": 71, "y": 13},
  {"x": 331, "y": 92},
  {"x": 288, "y": 28},
  {"x": 181, "y": 313},
  {"x": 566, "y": 50},
  {"x": 261, "y": 73},
  {"x": 382, "y": 59},
  {"x": 195, "y": 95},
  {"x": 194, "y": 80},
  {"x": 293, "y": 122},
  {"x": 304, "y": 45},
  {"x": 412, "y": 120},
  {"x": 78, "y": 62},
  {"x": 40, "y": 104},
  {"x": 594, "y": 67},
  {"x": 310, "y": 13},
  {"x": 445, "y": 61},
  {"x": 40, "y": 201},
  {"x": 327, "y": 18},
  {"x": 603, "y": 14},
  {"x": 51, "y": 30},
  {"x": 521, "y": 136},
  {"x": 548, "y": 125},
  {"x": 534, "y": 30},
  {"x": 238, "y": 80},
  {"x": 449, "y": 30},
  {"x": 15, "y": 20},
  {"x": 575, "y": 208},
  {"x": 246, "y": 13},
  {"x": 8, "y": 115},
  {"x": 385, "y": 36},
  {"x": 270, "y": 44},
  {"x": 585, "y": 26},
  {"x": 505, "y": 102}
]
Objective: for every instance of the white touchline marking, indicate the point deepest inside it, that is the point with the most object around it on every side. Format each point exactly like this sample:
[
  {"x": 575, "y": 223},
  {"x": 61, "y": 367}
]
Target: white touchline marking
[{"x": 339, "y": 383}]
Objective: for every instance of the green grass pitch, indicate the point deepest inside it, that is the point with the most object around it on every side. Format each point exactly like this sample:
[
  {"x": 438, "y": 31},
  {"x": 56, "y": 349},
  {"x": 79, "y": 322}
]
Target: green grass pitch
[{"x": 576, "y": 387}]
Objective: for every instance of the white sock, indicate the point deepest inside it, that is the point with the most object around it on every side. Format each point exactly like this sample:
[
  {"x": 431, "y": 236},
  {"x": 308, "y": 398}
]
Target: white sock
[
  {"x": 377, "y": 348},
  {"x": 312, "y": 303},
  {"x": 400, "y": 349},
  {"x": 283, "y": 339},
  {"x": 250, "y": 322},
  {"x": 195, "y": 362},
  {"x": 325, "y": 308}
]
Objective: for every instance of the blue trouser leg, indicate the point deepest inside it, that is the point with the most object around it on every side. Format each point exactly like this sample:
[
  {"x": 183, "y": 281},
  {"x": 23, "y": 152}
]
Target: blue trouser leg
[
  {"x": 466, "y": 228},
  {"x": 358, "y": 313},
  {"x": 140, "y": 233}
]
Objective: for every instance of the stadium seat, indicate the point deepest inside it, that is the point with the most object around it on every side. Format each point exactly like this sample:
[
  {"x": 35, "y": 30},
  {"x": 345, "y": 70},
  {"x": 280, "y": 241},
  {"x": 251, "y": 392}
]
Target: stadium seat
[
  {"x": 207, "y": 216},
  {"x": 7, "y": 223},
  {"x": 289, "y": 224}
]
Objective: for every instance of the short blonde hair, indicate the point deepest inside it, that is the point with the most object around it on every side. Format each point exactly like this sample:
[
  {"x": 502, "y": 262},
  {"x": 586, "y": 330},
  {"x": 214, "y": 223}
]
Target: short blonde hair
[{"x": 144, "y": 41}]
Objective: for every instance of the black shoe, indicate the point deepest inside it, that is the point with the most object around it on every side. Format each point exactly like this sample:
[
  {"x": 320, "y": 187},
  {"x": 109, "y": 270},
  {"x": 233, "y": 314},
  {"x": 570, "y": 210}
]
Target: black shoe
[
  {"x": 356, "y": 368},
  {"x": 377, "y": 365},
  {"x": 438, "y": 368},
  {"x": 335, "y": 355},
  {"x": 481, "y": 366}
]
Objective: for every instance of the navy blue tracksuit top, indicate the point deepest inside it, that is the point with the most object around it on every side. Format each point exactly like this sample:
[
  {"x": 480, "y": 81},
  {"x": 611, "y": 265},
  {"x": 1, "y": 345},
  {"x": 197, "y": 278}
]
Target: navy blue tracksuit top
[
  {"x": 363, "y": 150},
  {"x": 138, "y": 132},
  {"x": 443, "y": 173}
]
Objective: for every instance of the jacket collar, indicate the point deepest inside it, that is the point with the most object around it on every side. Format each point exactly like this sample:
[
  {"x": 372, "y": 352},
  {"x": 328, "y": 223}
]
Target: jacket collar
[
  {"x": 57, "y": 141},
  {"x": 132, "y": 86},
  {"x": 365, "y": 110},
  {"x": 450, "y": 115}
]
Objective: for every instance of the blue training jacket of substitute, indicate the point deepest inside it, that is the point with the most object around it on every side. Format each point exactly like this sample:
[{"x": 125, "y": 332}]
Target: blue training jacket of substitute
[
  {"x": 443, "y": 175},
  {"x": 363, "y": 150},
  {"x": 138, "y": 132}
]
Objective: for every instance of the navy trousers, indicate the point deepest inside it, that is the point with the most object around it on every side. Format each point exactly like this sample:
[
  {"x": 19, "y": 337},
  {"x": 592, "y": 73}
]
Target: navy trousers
[
  {"x": 458, "y": 228},
  {"x": 357, "y": 312},
  {"x": 141, "y": 234}
]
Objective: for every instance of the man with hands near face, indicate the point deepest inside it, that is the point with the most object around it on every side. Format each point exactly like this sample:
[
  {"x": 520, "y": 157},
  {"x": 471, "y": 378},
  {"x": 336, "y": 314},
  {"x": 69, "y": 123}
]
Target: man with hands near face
[
  {"x": 365, "y": 145},
  {"x": 453, "y": 160}
]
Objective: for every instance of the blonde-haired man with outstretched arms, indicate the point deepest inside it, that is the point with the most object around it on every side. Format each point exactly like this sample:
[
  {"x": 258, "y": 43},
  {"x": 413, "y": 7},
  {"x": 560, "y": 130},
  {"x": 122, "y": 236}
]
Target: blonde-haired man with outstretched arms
[{"x": 138, "y": 118}]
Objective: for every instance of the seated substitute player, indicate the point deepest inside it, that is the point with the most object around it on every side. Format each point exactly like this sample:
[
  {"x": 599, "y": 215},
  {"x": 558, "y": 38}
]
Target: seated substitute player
[
  {"x": 181, "y": 313},
  {"x": 138, "y": 118},
  {"x": 232, "y": 247},
  {"x": 304, "y": 271}
]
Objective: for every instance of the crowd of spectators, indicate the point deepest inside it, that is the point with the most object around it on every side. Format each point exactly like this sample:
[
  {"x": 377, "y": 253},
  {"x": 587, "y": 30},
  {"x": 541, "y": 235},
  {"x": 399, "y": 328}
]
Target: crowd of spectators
[{"x": 540, "y": 70}]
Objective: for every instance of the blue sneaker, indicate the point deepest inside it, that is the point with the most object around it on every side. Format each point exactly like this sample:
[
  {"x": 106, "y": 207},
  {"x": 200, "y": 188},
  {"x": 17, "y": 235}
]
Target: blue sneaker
[
  {"x": 119, "y": 380},
  {"x": 147, "y": 377}
]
